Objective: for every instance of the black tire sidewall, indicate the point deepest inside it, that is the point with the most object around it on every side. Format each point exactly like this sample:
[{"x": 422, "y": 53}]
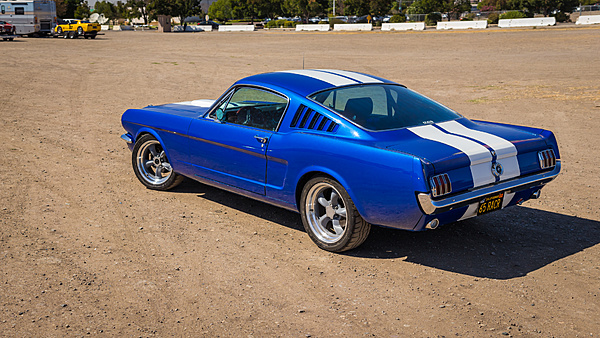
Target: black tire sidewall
[
  {"x": 341, "y": 244},
  {"x": 168, "y": 184}
]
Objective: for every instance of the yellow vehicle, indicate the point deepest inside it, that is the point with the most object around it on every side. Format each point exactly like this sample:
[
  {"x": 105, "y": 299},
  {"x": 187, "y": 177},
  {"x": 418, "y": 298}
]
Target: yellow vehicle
[{"x": 73, "y": 28}]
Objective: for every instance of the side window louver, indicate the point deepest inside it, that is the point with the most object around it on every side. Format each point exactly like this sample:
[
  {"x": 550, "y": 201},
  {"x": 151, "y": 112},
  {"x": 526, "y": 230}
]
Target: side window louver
[{"x": 306, "y": 118}]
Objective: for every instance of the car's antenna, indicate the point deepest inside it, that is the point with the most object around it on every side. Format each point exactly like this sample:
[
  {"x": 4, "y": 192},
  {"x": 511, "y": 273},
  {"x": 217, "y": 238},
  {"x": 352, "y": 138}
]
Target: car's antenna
[{"x": 302, "y": 60}]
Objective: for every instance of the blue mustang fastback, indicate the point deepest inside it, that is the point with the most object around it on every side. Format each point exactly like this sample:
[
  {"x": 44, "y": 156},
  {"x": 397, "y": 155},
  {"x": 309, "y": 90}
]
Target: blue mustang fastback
[{"x": 346, "y": 150}]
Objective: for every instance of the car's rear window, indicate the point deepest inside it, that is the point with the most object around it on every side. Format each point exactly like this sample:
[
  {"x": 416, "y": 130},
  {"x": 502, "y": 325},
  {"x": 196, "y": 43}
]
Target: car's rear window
[{"x": 384, "y": 106}]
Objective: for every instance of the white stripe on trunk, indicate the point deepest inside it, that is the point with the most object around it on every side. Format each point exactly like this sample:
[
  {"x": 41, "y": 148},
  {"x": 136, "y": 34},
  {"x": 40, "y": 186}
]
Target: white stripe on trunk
[
  {"x": 506, "y": 152},
  {"x": 479, "y": 156}
]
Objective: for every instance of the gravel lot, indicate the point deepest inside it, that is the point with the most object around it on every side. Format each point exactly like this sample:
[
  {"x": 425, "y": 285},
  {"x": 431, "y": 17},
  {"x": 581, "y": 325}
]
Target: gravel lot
[{"x": 86, "y": 249}]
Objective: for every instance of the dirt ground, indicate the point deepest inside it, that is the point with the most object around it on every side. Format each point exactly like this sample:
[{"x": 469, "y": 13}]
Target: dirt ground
[{"x": 86, "y": 249}]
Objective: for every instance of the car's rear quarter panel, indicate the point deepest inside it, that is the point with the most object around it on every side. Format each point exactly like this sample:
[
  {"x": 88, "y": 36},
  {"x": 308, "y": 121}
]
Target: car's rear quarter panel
[{"x": 381, "y": 183}]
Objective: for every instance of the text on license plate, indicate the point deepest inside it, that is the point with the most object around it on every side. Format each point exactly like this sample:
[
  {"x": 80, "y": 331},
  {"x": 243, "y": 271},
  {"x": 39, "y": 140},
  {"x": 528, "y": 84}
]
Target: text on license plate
[{"x": 491, "y": 203}]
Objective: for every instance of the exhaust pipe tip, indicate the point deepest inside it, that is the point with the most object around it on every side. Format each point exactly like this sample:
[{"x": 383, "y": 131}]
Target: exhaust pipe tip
[
  {"x": 536, "y": 194},
  {"x": 433, "y": 224}
]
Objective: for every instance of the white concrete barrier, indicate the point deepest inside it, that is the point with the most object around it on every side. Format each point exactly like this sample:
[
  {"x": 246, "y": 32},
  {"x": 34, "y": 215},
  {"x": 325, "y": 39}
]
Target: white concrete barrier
[
  {"x": 354, "y": 27},
  {"x": 528, "y": 22},
  {"x": 193, "y": 28},
  {"x": 588, "y": 20},
  {"x": 403, "y": 26},
  {"x": 104, "y": 27},
  {"x": 236, "y": 28},
  {"x": 124, "y": 27},
  {"x": 312, "y": 28},
  {"x": 479, "y": 24}
]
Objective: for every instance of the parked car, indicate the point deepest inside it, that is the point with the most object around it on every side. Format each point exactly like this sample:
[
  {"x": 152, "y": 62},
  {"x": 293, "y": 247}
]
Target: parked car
[
  {"x": 346, "y": 150},
  {"x": 80, "y": 27},
  {"x": 214, "y": 25},
  {"x": 7, "y": 28}
]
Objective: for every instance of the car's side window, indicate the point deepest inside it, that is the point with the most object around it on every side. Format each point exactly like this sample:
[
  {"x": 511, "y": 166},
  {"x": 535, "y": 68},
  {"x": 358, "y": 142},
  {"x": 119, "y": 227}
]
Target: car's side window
[{"x": 252, "y": 107}]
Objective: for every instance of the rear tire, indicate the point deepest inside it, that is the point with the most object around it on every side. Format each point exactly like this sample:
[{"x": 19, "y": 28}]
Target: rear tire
[
  {"x": 79, "y": 30},
  {"x": 151, "y": 165},
  {"x": 330, "y": 217}
]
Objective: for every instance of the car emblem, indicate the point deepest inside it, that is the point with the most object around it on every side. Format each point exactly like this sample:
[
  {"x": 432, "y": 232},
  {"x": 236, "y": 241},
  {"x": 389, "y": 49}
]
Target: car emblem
[{"x": 497, "y": 169}]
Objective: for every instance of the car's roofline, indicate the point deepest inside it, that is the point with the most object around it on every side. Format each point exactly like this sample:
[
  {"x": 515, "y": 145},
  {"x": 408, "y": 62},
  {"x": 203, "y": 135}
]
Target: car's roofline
[{"x": 304, "y": 82}]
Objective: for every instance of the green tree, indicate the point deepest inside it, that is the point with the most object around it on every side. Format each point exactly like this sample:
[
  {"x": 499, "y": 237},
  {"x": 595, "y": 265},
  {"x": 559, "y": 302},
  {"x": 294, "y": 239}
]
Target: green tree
[
  {"x": 306, "y": 8},
  {"x": 381, "y": 7},
  {"x": 177, "y": 8},
  {"x": 457, "y": 7},
  {"x": 356, "y": 7},
  {"x": 141, "y": 8},
  {"x": 221, "y": 10},
  {"x": 106, "y": 8},
  {"x": 82, "y": 11},
  {"x": 66, "y": 8},
  {"x": 426, "y": 6}
]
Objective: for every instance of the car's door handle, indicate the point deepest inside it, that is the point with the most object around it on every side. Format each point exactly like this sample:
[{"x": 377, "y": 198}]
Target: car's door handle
[{"x": 261, "y": 139}]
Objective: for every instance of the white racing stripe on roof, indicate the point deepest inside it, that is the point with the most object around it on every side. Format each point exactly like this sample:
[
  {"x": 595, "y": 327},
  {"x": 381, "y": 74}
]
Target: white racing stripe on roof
[
  {"x": 506, "y": 152},
  {"x": 333, "y": 79},
  {"x": 354, "y": 76},
  {"x": 479, "y": 156}
]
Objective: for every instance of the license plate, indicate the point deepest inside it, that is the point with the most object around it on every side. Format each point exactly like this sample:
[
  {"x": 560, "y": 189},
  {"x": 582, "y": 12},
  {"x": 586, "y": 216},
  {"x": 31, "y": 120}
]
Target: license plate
[{"x": 491, "y": 203}]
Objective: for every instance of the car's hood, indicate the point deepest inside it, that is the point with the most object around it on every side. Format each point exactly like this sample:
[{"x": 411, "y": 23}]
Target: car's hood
[{"x": 186, "y": 108}]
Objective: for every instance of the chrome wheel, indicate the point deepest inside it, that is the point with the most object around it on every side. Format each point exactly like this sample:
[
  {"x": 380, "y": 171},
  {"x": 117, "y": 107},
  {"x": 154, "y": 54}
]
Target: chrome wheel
[
  {"x": 152, "y": 163},
  {"x": 326, "y": 212}
]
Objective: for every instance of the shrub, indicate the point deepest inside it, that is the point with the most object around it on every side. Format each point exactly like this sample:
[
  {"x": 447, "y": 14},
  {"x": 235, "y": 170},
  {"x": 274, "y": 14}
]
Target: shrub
[
  {"x": 398, "y": 18},
  {"x": 335, "y": 22},
  {"x": 561, "y": 17},
  {"x": 493, "y": 19},
  {"x": 468, "y": 17},
  {"x": 513, "y": 15},
  {"x": 432, "y": 19},
  {"x": 281, "y": 23}
]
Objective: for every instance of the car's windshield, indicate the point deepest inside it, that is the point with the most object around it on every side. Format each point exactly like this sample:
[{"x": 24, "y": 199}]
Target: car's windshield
[{"x": 384, "y": 106}]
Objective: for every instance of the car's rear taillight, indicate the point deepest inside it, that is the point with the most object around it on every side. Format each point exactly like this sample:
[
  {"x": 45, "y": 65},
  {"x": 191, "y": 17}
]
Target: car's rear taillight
[
  {"x": 440, "y": 185},
  {"x": 547, "y": 159}
]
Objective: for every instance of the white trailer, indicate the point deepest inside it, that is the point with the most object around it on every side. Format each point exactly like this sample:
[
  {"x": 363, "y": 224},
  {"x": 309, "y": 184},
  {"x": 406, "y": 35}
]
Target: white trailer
[{"x": 37, "y": 17}]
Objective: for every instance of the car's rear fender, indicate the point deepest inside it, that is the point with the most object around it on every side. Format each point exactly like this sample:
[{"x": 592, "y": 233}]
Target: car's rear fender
[{"x": 382, "y": 187}]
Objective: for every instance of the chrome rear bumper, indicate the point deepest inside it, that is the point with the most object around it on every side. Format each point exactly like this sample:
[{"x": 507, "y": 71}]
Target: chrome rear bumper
[{"x": 431, "y": 207}]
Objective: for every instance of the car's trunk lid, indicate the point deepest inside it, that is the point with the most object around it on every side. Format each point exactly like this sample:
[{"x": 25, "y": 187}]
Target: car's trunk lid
[{"x": 466, "y": 151}]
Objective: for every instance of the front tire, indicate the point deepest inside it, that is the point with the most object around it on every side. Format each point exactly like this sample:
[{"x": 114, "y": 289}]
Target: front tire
[
  {"x": 151, "y": 165},
  {"x": 59, "y": 30},
  {"x": 330, "y": 217},
  {"x": 79, "y": 30}
]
